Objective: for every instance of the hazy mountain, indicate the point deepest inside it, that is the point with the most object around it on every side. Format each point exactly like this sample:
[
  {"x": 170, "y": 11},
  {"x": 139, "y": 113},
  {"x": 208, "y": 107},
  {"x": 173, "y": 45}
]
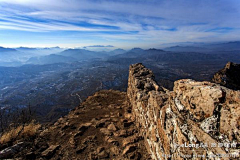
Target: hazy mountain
[
  {"x": 3, "y": 50},
  {"x": 10, "y": 57},
  {"x": 163, "y": 56},
  {"x": 136, "y": 50},
  {"x": 228, "y": 46},
  {"x": 18, "y": 56},
  {"x": 50, "y": 59},
  {"x": 39, "y": 51},
  {"x": 26, "y": 49},
  {"x": 117, "y": 51},
  {"x": 187, "y": 49},
  {"x": 11, "y": 64},
  {"x": 82, "y": 54}
]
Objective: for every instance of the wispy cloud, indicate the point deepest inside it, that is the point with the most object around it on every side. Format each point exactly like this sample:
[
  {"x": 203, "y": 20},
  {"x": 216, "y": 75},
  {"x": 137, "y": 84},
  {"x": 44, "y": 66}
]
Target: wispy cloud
[{"x": 135, "y": 21}]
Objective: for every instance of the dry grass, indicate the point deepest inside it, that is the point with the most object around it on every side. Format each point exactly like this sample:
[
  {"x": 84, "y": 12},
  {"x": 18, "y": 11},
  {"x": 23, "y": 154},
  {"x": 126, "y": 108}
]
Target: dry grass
[{"x": 27, "y": 131}]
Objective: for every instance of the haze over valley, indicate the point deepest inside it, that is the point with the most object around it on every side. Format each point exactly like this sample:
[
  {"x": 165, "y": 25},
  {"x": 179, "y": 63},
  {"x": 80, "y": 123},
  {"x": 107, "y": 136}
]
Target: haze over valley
[{"x": 54, "y": 80}]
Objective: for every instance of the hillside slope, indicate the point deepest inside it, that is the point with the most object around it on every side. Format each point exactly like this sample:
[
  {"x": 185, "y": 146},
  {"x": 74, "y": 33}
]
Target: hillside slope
[{"x": 100, "y": 128}]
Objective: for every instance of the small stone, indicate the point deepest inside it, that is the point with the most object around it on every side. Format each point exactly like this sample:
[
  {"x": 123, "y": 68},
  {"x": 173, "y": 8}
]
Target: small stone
[
  {"x": 114, "y": 150},
  {"x": 72, "y": 141},
  {"x": 112, "y": 127},
  {"x": 105, "y": 131},
  {"x": 115, "y": 119},
  {"x": 128, "y": 115}
]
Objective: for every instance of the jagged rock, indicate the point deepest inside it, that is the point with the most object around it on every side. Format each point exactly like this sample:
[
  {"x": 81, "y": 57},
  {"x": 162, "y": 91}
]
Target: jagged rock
[{"x": 50, "y": 151}]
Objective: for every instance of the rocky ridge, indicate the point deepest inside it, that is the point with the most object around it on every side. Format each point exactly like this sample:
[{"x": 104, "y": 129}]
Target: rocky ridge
[{"x": 197, "y": 120}]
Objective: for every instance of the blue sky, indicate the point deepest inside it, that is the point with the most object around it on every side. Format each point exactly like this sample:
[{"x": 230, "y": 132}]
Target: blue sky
[{"x": 119, "y": 23}]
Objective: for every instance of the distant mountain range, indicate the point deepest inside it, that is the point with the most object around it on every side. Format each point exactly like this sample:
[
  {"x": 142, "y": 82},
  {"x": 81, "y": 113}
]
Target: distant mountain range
[
  {"x": 24, "y": 55},
  {"x": 4, "y": 50},
  {"x": 52, "y": 81},
  {"x": 50, "y": 59},
  {"x": 228, "y": 46}
]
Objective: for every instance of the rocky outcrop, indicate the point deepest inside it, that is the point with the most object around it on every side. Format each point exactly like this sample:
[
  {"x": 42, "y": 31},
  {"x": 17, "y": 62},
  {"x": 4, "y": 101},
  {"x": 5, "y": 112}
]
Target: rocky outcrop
[
  {"x": 195, "y": 120},
  {"x": 228, "y": 76}
]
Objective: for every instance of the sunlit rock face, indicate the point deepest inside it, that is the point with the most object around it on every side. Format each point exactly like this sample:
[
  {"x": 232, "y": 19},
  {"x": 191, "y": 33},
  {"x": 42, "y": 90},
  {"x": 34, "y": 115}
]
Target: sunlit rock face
[{"x": 195, "y": 120}]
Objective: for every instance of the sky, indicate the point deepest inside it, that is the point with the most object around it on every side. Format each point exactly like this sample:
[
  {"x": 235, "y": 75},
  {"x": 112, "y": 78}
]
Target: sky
[{"x": 117, "y": 23}]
